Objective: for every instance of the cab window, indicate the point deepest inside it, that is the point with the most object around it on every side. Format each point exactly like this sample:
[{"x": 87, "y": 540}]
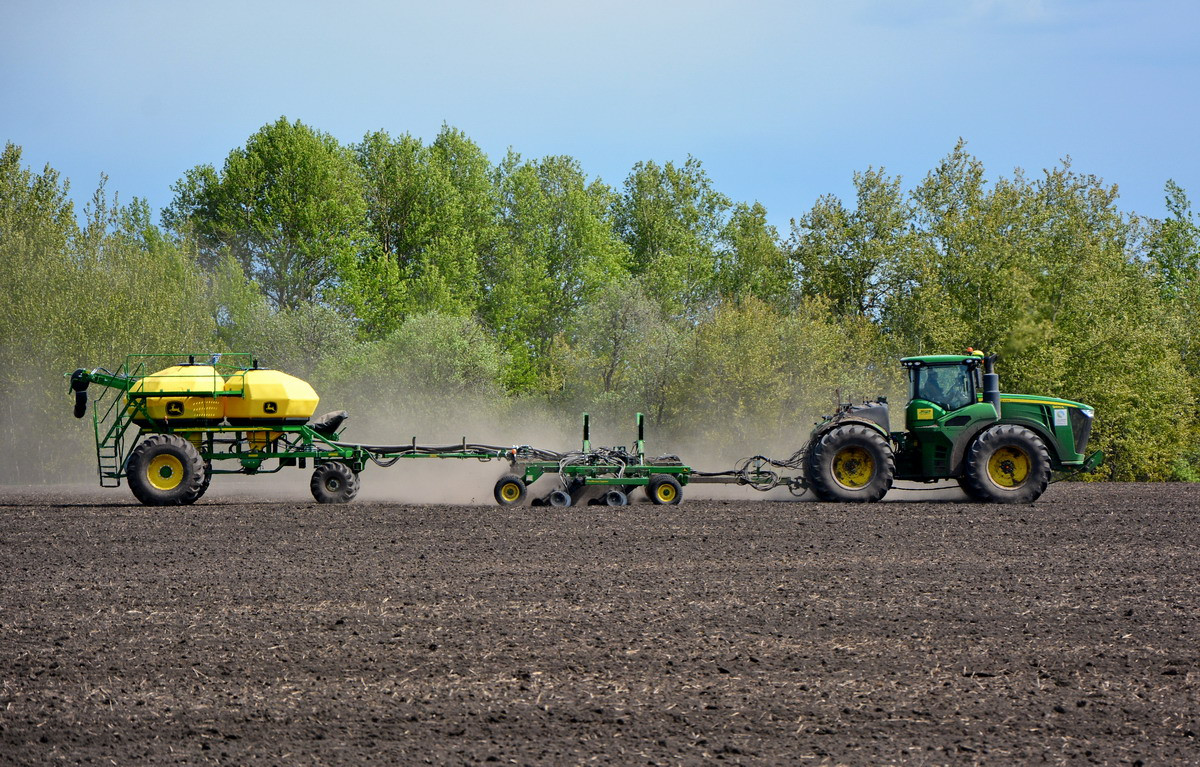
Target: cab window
[{"x": 950, "y": 386}]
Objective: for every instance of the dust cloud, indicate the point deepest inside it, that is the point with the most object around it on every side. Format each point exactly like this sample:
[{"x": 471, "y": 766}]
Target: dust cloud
[{"x": 41, "y": 443}]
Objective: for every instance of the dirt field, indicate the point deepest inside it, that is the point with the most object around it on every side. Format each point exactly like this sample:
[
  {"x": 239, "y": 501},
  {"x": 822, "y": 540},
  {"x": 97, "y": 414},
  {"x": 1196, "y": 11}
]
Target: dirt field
[{"x": 747, "y": 631}]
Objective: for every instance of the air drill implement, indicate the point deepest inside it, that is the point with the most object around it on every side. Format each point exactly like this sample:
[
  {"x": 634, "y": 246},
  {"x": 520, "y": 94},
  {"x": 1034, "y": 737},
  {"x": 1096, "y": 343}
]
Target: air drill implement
[{"x": 168, "y": 432}]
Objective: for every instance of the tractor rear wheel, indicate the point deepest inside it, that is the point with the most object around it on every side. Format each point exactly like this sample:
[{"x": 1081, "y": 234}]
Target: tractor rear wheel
[
  {"x": 1007, "y": 464},
  {"x": 166, "y": 470},
  {"x": 851, "y": 463},
  {"x": 333, "y": 482}
]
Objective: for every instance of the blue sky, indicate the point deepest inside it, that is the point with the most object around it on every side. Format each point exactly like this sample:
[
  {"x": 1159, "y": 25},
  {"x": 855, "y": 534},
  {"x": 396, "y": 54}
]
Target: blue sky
[{"x": 782, "y": 101}]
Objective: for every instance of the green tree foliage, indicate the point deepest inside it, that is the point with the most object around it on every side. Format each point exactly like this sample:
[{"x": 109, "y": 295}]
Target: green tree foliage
[
  {"x": 1044, "y": 271},
  {"x": 557, "y": 248},
  {"x": 762, "y": 374},
  {"x": 78, "y": 297},
  {"x": 1175, "y": 247},
  {"x": 672, "y": 218},
  {"x": 1174, "y": 259},
  {"x": 430, "y": 214},
  {"x": 288, "y": 206},
  {"x": 625, "y": 354},
  {"x": 851, "y": 257},
  {"x": 750, "y": 259},
  {"x": 413, "y": 374}
]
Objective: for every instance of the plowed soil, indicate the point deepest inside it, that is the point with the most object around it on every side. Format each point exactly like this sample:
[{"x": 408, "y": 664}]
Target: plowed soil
[{"x": 745, "y": 631}]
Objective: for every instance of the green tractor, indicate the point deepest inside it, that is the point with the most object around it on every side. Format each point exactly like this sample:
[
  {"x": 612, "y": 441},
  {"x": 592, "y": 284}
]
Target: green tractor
[{"x": 957, "y": 425}]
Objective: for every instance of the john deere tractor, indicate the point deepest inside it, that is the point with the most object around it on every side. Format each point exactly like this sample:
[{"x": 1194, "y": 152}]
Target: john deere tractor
[{"x": 957, "y": 425}]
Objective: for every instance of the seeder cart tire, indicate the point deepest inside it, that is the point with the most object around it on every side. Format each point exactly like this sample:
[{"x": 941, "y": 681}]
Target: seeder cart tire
[
  {"x": 510, "y": 490},
  {"x": 203, "y": 485},
  {"x": 616, "y": 498},
  {"x": 166, "y": 470},
  {"x": 333, "y": 482}
]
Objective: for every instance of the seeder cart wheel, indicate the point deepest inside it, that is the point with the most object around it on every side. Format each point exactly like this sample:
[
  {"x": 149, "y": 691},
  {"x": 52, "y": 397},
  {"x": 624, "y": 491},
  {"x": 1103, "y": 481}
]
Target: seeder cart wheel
[
  {"x": 559, "y": 499},
  {"x": 664, "y": 490},
  {"x": 333, "y": 482},
  {"x": 510, "y": 490},
  {"x": 203, "y": 485},
  {"x": 166, "y": 470}
]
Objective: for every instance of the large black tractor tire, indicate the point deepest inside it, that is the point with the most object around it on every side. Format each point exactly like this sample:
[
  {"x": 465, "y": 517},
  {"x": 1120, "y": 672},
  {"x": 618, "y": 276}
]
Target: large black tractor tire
[
  {"x": 1007, "y": 464},
  {"x": 190, "y": 499},
  {"x": 333, "y": 482},
  {"x": 849, "y": 464},
  {"x": 664, "y": 490},
  {"x": 969, "y": 490},
  {"x": 166, "y": 470}
]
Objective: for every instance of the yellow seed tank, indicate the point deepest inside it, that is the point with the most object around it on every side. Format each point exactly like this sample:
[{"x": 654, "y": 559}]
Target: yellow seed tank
[
  {"x": 268, "y": 397},
  {"x": 177, "y": 407}
]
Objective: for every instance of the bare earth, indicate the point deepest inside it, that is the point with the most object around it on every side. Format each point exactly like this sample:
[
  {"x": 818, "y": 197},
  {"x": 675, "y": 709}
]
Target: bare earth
[{"x": 749, "y": 631}]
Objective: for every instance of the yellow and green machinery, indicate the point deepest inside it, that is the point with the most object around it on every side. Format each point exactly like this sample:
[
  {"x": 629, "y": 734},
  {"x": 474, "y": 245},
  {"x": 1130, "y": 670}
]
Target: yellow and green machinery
[{"x": 167, "y": 424}]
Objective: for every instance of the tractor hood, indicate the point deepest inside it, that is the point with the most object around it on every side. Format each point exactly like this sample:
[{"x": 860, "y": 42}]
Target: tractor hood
[
  {"x": 1066, "y": 413},
  {"x": 1034, "y": 399}
]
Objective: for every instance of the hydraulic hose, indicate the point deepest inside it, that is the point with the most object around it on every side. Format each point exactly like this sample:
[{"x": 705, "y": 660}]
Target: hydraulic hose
[{"x": 433, "y": 450}]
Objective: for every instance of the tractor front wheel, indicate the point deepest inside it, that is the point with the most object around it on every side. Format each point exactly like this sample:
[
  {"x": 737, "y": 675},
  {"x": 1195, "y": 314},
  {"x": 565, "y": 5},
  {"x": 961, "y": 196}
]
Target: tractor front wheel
[
  {"x": 969, "y": 490},
  {"x": 166, "y": 470},
  {"x": 851, "y": 463},
  {"x": 333, "y": 482},
  {"x": 1007, "y": 464}
]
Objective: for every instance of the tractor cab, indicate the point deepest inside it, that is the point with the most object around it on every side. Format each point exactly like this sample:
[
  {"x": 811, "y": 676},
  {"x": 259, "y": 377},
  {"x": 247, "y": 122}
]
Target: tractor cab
[{"x": 945, "y": 383}]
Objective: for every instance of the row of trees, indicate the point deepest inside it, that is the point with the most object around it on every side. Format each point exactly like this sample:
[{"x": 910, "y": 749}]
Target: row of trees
[{"x": 459, "y": 285}]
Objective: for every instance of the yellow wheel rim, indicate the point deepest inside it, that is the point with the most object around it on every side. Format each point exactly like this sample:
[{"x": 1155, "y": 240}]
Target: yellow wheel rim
[
  {"x": 510, "y": 491},
  {"x": 1009, "y": 467},
  {"x": 165, "y": 472},
  {"x": 665, "y": 492},
  {"x": 853, "y": 467}
]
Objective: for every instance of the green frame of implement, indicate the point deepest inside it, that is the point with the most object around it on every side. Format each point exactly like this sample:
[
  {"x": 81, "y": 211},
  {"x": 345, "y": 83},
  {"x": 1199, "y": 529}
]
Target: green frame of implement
[
  {"x": 293, "y": 444},
  {"x": 603, "y": 472}
]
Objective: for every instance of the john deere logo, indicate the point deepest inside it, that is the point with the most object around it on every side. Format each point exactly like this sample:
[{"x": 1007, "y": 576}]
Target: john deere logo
[
  {"x": 270, "y": 408},
  {"x": 175, "y": 407}
]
